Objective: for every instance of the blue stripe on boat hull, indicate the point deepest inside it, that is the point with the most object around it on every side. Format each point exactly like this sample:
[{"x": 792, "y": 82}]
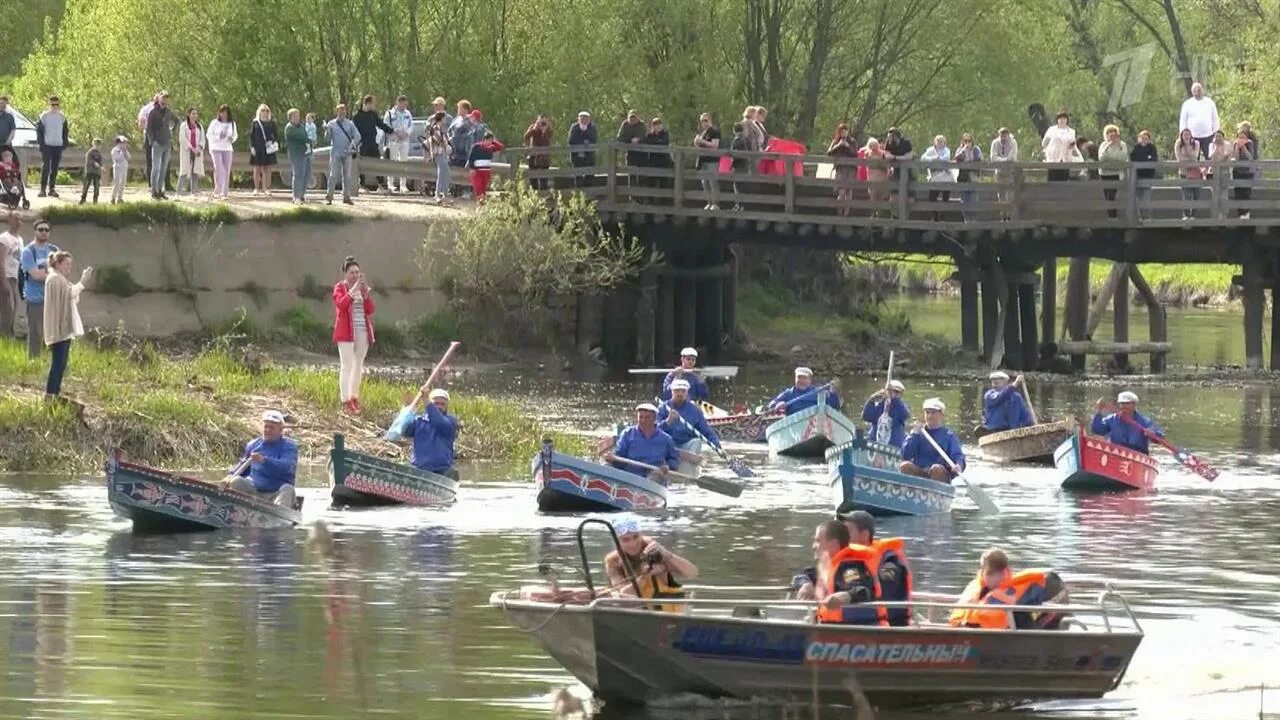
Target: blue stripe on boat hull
[
  {"x": 577, "y": 485},
  {"x": 866, "y": 478}
]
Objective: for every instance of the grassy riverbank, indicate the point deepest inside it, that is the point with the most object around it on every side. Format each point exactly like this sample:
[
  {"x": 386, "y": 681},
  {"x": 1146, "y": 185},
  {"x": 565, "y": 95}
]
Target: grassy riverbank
[
  {"x": 1174, "y": 284},
  {"x": 198, "y": 411}
]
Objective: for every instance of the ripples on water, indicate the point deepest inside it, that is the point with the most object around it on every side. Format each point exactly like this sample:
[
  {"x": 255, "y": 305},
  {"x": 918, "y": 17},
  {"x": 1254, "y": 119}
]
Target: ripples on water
[{"x": 383, "y": 613}]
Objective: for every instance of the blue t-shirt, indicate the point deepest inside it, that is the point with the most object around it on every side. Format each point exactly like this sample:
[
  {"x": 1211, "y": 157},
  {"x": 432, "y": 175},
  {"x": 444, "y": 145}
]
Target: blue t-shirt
[
  {"x": 694, "y": 419},
  {"x": 1005, "y": 409},
  {"x": 35, "y": 256},
  {"x": 279, "y": 464},
  {"x": 1120, "y": 432},
  {"x": 656, "y": 450},
  {"x": 433, "y": 434}
]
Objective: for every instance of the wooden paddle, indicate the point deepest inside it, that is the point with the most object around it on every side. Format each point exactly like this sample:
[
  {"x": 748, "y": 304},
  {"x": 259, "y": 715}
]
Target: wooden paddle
[
  {"x": 710, "y": 371},
  {"x": 979, "y": 497},
  {"x": 226, "y": 481},
  {"x": 1026, "y": 392},
  {"x": 724, "y": 487},
  {"x": 736, "y": 464},
  {"x": 393, "y": 432},
  {"x": 1187, "y": 458}
]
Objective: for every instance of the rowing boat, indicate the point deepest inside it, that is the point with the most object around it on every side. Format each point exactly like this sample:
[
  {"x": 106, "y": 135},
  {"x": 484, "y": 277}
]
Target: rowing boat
[
  {"x": 811, "y": 431},
  {"x": 750, "y": 643},
  {"x": 742, "y": 426},
  {"x": 1089, "y": 463},
  {"x": 159, "y": 501},
  {"x": 360, "y": 479},
  {"x": 570, "y": 484},
  {"x": 1033, "y": 444},
  {"x": 866, "y": 473}
]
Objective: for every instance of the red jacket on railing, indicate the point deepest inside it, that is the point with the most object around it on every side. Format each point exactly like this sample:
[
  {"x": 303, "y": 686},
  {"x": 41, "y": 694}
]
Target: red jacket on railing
[
  {"x": 342, "y": 314},
  {"x": 771, "y": 166}
]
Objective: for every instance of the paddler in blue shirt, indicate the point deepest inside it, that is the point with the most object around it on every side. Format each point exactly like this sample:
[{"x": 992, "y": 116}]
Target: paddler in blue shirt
[
  {"x": 1125, "y": 427},
  {"x": 694, "y": 419},
  {"x": 918, "y": 456},
  {"x": 272, "y": 464},
  {"x": 1003, "y": 407},
  {"x": 803, "y": 394},
  {"x": 685, "y": 371},
  {"x": 433, "y": 433},
  {"x": 645, "y": 442},
  {"x": 886, "y": 415}
]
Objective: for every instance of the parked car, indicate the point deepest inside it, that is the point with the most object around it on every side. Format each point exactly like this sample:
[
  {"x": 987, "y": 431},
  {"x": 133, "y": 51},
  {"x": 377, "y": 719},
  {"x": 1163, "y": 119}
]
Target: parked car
[{"x": 25, "y": 134}]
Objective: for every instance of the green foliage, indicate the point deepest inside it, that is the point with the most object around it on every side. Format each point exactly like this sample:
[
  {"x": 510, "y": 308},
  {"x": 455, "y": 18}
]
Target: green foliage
[
  {"x": 298, "y": 325},
  {"x": 522, "y": 251},
  {"x": 125, "y": 215},
  {"x": 115, "y": 280},
  {"x": 438, "y": 327},
  {"x": 303, "y": 214},
  {"x": 389, "y": 339}
]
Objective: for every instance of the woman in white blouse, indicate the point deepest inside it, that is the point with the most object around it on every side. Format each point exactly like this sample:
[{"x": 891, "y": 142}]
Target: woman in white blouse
[
  {"x": 1059, "y": 146},
  {"x": 191, "y": 141},
  {"x": 221, "y": 135}
]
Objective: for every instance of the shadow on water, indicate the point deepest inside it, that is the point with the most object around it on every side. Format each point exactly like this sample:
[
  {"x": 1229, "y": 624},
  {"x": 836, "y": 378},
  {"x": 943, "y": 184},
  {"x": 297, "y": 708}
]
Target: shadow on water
[{"x": 384, "y": 613}]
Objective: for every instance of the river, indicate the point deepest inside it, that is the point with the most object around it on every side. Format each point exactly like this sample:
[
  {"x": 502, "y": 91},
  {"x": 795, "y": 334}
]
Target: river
[
  {"x": 382, "y": 613},
  {"x": 1202, "y": 337}
]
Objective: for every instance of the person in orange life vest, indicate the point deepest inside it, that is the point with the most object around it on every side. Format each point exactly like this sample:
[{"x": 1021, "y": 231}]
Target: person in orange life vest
[
  {"x": 656, "y": 570},
  {"x": 997, "y": 585},
  {"x": 891, "y": 581},
  {"x": 846, "y": 574},
  {"x": 918, "y": 456}
]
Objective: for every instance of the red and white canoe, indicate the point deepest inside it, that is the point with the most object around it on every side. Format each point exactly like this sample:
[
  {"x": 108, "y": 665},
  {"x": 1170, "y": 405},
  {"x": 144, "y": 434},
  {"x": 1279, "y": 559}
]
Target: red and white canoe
[{"x": 1087, "y": 462}]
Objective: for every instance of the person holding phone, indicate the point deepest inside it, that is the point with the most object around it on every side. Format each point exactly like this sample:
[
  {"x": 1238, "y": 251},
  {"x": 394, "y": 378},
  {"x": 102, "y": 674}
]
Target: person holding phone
[
  {"x": 352, "y": 331},
  {"x": 61, "y": 316}
]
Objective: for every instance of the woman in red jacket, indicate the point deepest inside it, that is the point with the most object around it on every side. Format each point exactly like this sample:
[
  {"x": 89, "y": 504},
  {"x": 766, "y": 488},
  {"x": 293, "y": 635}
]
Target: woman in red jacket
[{"x": 352, "y": 331}]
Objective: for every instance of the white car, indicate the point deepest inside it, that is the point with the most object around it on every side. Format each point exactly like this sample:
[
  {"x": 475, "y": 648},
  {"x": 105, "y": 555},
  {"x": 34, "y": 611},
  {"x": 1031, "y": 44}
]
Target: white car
[{"x": 25, "y": 134}]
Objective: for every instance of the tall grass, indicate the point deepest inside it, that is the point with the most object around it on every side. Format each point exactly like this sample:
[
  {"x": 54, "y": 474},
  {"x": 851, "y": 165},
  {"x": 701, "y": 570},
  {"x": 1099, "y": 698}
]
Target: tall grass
[{"x": 125, "y": 215}]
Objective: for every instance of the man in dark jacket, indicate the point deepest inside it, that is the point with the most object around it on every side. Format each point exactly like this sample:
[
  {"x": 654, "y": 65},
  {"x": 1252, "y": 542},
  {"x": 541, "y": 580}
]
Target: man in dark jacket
[
  {"x": 583, "y": 132},
  {"x": 368, "y": 122},
  {"x": 658, "y": 135},
  {"x": 159, "y": 137},
  {"x": 632, "y": 132}
]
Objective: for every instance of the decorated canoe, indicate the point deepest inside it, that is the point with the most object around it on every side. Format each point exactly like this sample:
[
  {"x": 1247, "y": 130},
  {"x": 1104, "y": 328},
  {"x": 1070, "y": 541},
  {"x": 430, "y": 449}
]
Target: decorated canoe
[
  {"x": 569, "y": 484},
  {"x": 741, "y": 424},
  {"x": 159, "y": 501},
  {"x": 1033, "y": 444},
  {"x": 866, "y": 473},
  {"x": 811, "y": 431},
  {"x": 360, "y": 479},
  {"x": 1089, "y": 463}
]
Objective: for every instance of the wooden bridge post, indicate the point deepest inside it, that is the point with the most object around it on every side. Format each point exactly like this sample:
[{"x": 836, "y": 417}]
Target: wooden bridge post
[
  {"x": 665, "y": 342},
  {"x": 730, "y": 294},
  {"x": 711, "y": 312},
  {"x": 990, "y": 315},
  {"x": 1275, "y": 311},
  {"x": 1076, "y": 314},
  {"x": 904, "y": 192},
  {"x": 1049, "y": 300},
  {"x": 1120, "y": 320},
  {"x": 686, "y": 311},
  {"x": 1027, "y": 315},
  {"x": 1254, "y": 307},
  {"x": 1012, "y": 329},
  {"x": 1158, "y": 321},
  {"x": 610, "y": 172},
  {"x": 968, "y": 304},
  {"x": 677, "y": 164},
  {"x": 645, "y": 321}
]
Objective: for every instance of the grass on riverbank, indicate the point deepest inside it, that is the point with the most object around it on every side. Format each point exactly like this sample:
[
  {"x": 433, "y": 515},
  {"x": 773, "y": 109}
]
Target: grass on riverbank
[
  {"x": 1174, "y": 284},
  {"x": 199, "y": 411}
]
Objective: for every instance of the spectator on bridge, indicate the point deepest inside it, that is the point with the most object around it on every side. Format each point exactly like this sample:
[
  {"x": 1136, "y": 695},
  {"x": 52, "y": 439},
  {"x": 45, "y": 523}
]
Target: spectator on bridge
[
  {"x": 481, "y": 161},
  {"x": 460, "y": 135},
  {"x": 191, "y": 142},
  {"x": 584, "y": 133},
  {"x": 1200, "y": 115},
  {"x": 1243, "y": 152},
  {"x": 660, "y": 160},
  {"x": 762, "y": 115},
  {"x": 1004, "y": 149},
  {"x": 222, "y": 135},
  {"x": 400, "y": 119},
  {"x": 436, "y": 150},
  {"x": 631, "y": 132},
  {"x": 1219, "y": 155},
  {"x": 937, "y": 154},
  {"x": 369, "y": 123},
  {"x": 539, "y": 136},
  {"x": 1144, "y": 151},
  {"x": 1187, "y": 150},
  {"x": 1059, "y": 145},
  {"x": 264, "y": 143},
  {"x": 144, "y": 112},
  {"x": 344, "y": 143},
  {"x": 298, "y": 145},
  {"x": 8, "y": 124},
  {"x": 120, "y": 158},
  {"x": 1247, "y": 127},
  {"x": 438, "y": 106},
  {"x": 877, "y": 173},
  {"x": 967, "y": 153},
  {"x": 1113, "y": 156},
  {"x": 161, "y": 124},
  {"x": 841, "y": 148},
  {"x": 753, "y": 131},
  {"x": 52, "y": 135},
  {"x": 708, "y": 138},
  {"x": 898, "y": 149},
  {"x": 739, "y": 165}
]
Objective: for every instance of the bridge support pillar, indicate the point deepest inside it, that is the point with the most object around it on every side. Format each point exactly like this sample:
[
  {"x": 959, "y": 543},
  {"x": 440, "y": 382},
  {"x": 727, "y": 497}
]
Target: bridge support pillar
[
  {"x": 1027, "y": 314},
  {"x": 665, "y": 341},
  {"x": 1254, "y": 300},
  {"x": 730, "y": 297},
  {"x": 1012, "y": 335},
  {"x": 711, "y": 315},
  {"x": 968, "y": 305},
  {"x": 646, "y": 312},
  {"x": 990, "y": 315},
  {"x": 1076, "y": 313},
  {"x": 1120, "y": 319},
  {"x": 686, "y": 311},
  {"x": 1048, "y": 300},
  {"x": 1275, "y": 321}
]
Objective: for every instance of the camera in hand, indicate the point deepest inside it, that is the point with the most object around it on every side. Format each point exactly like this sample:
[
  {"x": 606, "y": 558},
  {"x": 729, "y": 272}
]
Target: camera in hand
[
  {"x": 860, "y": 593},
  {"x": 653, "y": 558}
]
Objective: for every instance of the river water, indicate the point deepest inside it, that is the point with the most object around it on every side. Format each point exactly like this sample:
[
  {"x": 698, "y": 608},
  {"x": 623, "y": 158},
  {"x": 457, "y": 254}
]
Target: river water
[{"x": 382, "y": 613}]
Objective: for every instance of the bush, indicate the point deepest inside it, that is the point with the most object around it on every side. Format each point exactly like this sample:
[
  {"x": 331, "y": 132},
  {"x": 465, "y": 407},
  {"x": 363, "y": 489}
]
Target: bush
[
  {"x": 299, "y": 326},
  {"x": 438, "y": 327},
  {"x": 115, "y": 280},
  {"x": 312, "y": 215},
  {"x": 390, "y": 339}
]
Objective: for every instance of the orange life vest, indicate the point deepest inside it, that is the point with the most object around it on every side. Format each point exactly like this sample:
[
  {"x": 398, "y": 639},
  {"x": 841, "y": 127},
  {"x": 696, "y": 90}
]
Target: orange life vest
[
  {"x": 862, "y": 568},
  {"x": 895, "y": 549},
  {"x": 1023, "y": 588}
]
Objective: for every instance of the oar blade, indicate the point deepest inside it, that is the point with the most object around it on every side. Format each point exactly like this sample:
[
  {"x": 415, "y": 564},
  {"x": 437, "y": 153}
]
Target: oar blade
[
  {"x": 979, "y": 496},
  {"x": 1196, "y": 465},
  {"x": 741, "y": 468},
  {"x": 718, "y": 485}
]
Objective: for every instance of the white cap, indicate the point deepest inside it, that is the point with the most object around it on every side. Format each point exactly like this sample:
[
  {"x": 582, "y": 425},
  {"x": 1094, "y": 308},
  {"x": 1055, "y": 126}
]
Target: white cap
[
  {"x": 647, "y": 406},
  {"x": 935, "y": 404},
  {"x": 438, "y": 393},
  {"x": 273, "y": 416},
  {"x": 804, "y": 372},
  {"x": 895, "y": 385},
  {"x": 998, "y": 375},
  {"x": 689, "y": 352},
  {"x": 679, "y": 384},
  {"x": 1127, "y": 396},
  {"x": 584, "y": 113},
  {"x": 626, "y": 524}
]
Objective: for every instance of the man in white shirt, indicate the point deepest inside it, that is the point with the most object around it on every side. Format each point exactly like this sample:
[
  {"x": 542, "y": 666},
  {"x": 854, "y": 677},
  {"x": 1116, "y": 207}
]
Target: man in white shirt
[
  {"x": 1200, "y": 116},
  {"x": 401, "y": 122},
  {"x": 11, "y": 249},
  {"x": 1004, "y": 148}
]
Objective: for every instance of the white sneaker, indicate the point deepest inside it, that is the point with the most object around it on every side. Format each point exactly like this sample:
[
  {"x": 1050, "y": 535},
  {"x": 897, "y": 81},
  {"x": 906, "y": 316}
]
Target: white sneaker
[{"x": 713, "y": 207}]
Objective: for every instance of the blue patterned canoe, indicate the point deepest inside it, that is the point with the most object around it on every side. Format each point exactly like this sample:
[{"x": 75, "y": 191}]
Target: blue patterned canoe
[
  {"x": 811, "y": 431},
  {"x": 866, "y": 473},
  {"x": 360, "y": 479},
  {"x": 160, "y": 501},
  {"x": 570, "y": 484}
]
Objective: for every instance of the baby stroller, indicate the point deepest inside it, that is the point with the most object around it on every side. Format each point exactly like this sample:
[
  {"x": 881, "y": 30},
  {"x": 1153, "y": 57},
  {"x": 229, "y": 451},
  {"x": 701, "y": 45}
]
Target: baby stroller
[{"x": 13, "y": 188}]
